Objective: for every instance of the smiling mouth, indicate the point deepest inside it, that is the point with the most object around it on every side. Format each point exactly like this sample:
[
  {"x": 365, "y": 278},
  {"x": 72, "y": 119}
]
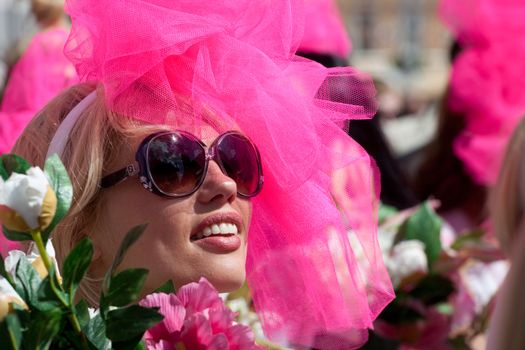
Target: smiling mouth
[{"x": 221, "y": 229}]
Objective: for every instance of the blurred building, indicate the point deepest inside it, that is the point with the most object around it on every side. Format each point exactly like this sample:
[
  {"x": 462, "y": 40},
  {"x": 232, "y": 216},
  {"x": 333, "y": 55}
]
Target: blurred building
[
  {"x": 404, "y": 46},
  {"x": 400, "y": 41}
]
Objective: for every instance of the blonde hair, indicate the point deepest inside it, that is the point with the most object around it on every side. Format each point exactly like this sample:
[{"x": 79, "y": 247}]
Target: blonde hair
[
  {"x": 507, "y": 198},
  {"x": 105, "y": 133},
  {"x": 507, "y": 201},
  {"x": 47, "y": 12}
]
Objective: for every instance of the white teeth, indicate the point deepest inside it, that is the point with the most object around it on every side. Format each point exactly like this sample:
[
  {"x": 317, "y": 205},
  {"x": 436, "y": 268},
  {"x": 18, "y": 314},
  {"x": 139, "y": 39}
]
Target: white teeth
[
  {"x": 233, "y": 229},
  {"x": 223, "y": 228}
]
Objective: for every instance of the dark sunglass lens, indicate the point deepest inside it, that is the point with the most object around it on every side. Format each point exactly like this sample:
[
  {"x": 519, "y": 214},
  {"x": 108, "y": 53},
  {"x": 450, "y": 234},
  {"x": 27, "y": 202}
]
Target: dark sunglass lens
[
  {"x": 240, "y": 162},
  {"x": 176, "y": 163}
]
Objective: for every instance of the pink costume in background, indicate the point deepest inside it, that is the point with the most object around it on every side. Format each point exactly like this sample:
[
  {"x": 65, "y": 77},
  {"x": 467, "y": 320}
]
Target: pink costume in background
[
  {"x": 488, "y": 79},
  {"x": 236, "y": 59},
  {"x": 324, "y": 30},
  {"x": 41, "y": 73}
]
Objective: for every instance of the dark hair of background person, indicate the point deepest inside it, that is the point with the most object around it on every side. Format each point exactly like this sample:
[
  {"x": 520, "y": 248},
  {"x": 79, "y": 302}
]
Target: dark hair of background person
[
  {"x": 441, "y": 174},
  {"x": 47, "y": 12},
  {"x": 395, "y": 190}
]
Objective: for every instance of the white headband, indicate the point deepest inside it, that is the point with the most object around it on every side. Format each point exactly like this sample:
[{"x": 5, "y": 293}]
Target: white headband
[{"x": 61, "y": 137}]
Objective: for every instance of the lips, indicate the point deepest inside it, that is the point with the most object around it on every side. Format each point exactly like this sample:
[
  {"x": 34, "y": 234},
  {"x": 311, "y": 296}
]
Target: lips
[
  {"x": 218, "y": 233},
  {"x": 217, "y": 229}
]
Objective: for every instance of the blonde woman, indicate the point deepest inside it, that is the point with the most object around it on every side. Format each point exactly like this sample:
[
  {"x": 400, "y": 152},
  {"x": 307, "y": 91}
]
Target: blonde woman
[{"x": 184, "y": 105}]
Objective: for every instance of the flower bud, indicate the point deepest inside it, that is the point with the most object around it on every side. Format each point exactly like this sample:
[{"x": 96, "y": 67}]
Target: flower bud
[
  {"x": 8, "y": 296},
  {"x": 27, "y": 201},
  {"x": 406, "y": 259}
]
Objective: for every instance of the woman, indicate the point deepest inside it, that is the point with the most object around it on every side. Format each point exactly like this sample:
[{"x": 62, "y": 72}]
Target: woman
[
  {"x": 482, "y": 105},
  {"x": 215, "y": 80}
]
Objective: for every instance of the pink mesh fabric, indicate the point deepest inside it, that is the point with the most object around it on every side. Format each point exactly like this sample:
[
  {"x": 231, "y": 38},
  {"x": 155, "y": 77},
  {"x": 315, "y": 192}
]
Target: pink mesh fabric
[
  {"x": 488, "y": 79},
  {"x": 324, "y": 30},
  {"x": 165, "y": 61},
  {"x": 41, "y": 73}
]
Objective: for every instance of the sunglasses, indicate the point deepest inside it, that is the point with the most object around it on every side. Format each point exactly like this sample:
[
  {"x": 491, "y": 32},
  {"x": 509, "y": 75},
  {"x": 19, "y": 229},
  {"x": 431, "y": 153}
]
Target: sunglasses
[{"x": 174, "y": 163}]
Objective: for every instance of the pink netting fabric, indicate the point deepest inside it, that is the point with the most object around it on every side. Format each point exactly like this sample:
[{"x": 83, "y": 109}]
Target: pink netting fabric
[
  {"x": 324, "y": 30},
  {"x": 40, "y": 74},
  {"x": 488, "y": 79},
  {"x": 163, "y": 61}
]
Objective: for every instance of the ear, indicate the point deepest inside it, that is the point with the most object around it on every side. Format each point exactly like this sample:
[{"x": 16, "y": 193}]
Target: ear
[
  {"x": 97, "y": 267},
  {"x": 97, "y": 253}
]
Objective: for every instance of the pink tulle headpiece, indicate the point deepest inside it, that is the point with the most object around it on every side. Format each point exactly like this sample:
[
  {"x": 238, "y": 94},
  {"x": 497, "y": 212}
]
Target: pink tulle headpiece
[
  {"x": 488, "y": 79},
  {"x": 324, "y": 30},
  {"x": 162, "y": 61}
]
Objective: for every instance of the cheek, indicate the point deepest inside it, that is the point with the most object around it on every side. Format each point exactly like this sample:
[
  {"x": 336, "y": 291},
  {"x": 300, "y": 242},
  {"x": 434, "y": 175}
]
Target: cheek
[
  {"x": 167, "y": 221},
  {"x": 245, "y": 209}
]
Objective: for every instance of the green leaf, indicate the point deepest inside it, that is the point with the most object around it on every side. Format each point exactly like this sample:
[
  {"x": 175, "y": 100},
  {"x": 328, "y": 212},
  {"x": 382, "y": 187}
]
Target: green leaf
[
  {"x": 16, "y": 236},
  {"x": 125, "y": 287},
  {"x": 130, "y": 322},
  {"x": 95, "y": 331},
  {"x": 425, "y": 226},
  {"x": 82, "y": 312},
  {"x": 43, "y": 328},
  {"x": 76, "y": 265},
  {"x": 470, "y": 237},
  {"x": 433, "y": 289},
  {"x": 445, "y": 309},
  {"x": 27, "y": 281},
  {"x": 129, "y": 344},
  {"x": 11, "y": 163},
  {"x": 167, "y": 288},
  {"x": 50, "y": 295},
  {"x": 386, "y": 211},
  {"x": 131, "y": 237},
  {"x": 4, "y": 274},
  {"x": 140, "y": 346},
  {"x": 61, "y": 184},
  {"x": 10, "y": 333},
  {"x": 399, "y": 313}
]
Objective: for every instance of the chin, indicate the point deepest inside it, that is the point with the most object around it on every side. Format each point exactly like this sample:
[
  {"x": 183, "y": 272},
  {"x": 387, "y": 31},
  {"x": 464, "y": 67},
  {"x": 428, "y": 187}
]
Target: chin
[{"x": 228, "y": 283}]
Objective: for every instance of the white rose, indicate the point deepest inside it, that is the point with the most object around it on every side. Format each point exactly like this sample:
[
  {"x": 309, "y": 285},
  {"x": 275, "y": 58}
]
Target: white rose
[
  {"x": 406, "y": 259},
  {"x": 8, "y": 296},
  {"x": 27, "y": 201},
  {"x": 34, "y": 258}
]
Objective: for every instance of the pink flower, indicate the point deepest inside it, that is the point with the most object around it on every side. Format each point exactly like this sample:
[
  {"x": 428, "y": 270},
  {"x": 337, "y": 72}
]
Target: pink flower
[{"x": 195, "y": 318}]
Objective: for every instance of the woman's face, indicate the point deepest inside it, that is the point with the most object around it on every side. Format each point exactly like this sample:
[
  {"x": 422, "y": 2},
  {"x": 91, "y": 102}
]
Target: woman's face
[{"x": 168, "y": 248}]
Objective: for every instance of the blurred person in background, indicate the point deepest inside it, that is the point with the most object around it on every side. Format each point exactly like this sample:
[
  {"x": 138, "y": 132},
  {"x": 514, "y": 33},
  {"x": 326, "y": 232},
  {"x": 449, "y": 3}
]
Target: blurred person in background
[
  {"x": 480, "y": 109},
  {"x": 40, "y": 74},
  {"x": 17, "y": 26},
  {"x": 442, "y": 174},
  {"x": 326, "y": 41}
]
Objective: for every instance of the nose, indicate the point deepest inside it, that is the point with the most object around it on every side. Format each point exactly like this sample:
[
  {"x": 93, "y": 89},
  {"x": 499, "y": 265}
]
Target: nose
[{"x": 217, "y": 186}]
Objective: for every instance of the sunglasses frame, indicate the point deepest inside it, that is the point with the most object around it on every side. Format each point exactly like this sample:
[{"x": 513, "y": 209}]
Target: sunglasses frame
[{"x": 147, "y": 181}]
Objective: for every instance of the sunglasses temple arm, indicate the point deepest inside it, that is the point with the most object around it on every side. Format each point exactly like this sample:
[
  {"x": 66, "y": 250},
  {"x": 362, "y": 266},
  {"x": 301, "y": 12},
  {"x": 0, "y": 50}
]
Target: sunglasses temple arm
[{"x": 118, "y": 176}]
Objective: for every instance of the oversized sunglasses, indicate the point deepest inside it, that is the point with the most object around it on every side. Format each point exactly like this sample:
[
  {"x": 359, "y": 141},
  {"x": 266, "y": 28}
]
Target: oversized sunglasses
[{"x": 174, "y": 163}]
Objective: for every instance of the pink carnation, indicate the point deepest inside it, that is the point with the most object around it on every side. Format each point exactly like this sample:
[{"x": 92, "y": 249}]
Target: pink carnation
[{"x": 197, "y": 318}]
